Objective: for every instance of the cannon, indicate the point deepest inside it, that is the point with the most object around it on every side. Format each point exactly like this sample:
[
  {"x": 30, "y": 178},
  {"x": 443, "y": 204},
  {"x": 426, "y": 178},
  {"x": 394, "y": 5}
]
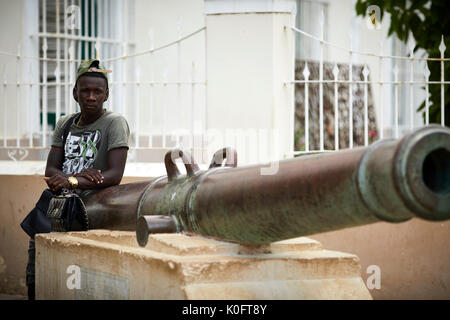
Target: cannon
[{"x": 390, "y": 180}]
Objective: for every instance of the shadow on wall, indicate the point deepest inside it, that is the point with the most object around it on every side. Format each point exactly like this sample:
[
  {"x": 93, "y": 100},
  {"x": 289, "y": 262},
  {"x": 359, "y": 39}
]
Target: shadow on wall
[{"x": 412, "y": 257}]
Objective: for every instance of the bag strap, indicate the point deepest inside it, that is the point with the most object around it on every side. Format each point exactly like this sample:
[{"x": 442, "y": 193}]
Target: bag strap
[{"x": 67, "y": 128}]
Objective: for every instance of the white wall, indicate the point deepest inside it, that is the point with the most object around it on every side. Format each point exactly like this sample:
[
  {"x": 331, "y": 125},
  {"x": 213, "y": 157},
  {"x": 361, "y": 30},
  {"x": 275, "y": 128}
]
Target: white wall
[
  {"x": 250, "y": 55},
  {"x": 18, "y": 21},
  {"x": 174, "y": 108},
  {"x": 158, "y": 23},
  {"x": 341, "y": 20},
  {"x": 245, "y": 64}
]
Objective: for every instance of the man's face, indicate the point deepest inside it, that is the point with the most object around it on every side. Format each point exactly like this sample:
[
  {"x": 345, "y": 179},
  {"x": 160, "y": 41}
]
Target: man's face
[{"x": 90, "y": 93}]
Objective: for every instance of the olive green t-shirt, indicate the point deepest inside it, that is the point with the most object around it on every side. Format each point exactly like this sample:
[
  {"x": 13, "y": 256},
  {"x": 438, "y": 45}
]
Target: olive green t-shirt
[{"x": 87, "y": 146}]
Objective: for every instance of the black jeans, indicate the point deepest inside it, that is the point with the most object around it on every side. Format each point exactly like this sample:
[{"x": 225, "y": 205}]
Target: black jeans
[{"x": 30, "y": 270}]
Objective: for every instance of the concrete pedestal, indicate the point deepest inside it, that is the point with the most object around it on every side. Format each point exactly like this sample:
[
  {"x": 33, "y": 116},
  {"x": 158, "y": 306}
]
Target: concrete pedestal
[{"x": 102, "y": 264}]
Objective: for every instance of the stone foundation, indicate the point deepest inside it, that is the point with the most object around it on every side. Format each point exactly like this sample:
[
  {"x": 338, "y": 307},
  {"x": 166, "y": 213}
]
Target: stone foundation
[{"x": 102, "y": 264}]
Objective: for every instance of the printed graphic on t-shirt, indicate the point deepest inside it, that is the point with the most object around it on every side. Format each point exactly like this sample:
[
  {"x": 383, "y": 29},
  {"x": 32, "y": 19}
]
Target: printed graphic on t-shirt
[{"x": 81, "y": 151}]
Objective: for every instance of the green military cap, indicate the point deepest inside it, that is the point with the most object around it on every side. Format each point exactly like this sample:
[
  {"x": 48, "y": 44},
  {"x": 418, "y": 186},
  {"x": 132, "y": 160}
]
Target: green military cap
[{"x": 92, "y": 65}]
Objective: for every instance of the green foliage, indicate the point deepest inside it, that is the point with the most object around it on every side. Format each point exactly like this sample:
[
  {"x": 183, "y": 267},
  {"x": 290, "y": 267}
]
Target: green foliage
[
  {"x": 297, "y": 136},
  {"x": 427, "y": 21}
]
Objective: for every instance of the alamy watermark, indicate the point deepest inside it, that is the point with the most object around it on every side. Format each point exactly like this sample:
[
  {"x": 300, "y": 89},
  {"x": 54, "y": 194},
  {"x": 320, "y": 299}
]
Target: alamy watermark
[
  {"x": 74, "y": 279},
  {"x": 257, "y": 145},
  {"x": 373, "y": 17},
  {"x": 72, "y": 17},
  {"x": 374, "y": 280}
]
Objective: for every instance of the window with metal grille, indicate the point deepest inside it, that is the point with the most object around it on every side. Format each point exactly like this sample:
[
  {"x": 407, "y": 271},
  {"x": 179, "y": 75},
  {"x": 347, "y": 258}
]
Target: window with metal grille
[{"x": 96, "y": 31}]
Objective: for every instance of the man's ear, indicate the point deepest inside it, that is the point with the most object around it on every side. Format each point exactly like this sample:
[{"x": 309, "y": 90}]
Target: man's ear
[
  {"x": 74, "y": 93},
  {"x": 106, "y": 95}
]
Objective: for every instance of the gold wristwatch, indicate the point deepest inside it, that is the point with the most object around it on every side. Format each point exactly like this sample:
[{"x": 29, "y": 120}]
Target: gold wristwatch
[{"x": 73, "y": 182}]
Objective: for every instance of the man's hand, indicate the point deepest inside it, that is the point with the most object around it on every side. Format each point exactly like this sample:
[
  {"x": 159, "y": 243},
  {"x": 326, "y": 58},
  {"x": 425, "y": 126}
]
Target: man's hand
[
  {"x": 88, "y": 178},
  {"x": 57, "y": 181},
  {"x": 92, "y": 175}
]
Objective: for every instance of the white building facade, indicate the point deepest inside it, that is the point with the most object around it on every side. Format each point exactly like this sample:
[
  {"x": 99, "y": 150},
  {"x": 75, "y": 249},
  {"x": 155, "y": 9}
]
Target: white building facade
[{"x": 196, "y": 74}]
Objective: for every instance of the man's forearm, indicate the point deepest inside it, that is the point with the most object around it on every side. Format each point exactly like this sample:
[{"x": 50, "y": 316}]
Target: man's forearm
[
  {"x": 110, "y": 178},
  {"x": 55, "y": 161},
  {"x": 51, "y": 171}
]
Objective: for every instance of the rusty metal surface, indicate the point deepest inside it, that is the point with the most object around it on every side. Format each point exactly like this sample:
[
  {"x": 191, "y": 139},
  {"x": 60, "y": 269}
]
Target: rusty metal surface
[
  {"x": 422, "y": 171},
  {"x": 391, "y": 180},
  {"x": 172, "y": 170},
  {"x": 307, "y": 195},
  {"x": 155, "y": 224},
  {"x": 228, "y": 154},
  {"x": 115, "y": 207},
  {"x": 319, "y": 193}
]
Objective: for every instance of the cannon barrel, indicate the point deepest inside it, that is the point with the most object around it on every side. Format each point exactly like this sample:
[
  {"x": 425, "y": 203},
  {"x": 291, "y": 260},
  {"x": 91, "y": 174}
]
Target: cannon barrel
[{"x": 390, "y": 180}]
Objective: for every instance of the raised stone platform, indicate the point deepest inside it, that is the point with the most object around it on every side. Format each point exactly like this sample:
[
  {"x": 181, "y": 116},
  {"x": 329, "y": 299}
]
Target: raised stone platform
[{"x": 102, "y": 264}]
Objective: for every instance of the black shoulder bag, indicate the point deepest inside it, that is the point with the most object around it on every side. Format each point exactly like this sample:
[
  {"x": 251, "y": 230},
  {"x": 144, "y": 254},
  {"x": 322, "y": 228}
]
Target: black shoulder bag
[
  {"x": 67, "y": 211},
  {"x": 64, "y": 212}
]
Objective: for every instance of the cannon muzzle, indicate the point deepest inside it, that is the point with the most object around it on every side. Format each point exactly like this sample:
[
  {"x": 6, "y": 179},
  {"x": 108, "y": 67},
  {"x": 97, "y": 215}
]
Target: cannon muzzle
[{"x": 390, "y": 180}]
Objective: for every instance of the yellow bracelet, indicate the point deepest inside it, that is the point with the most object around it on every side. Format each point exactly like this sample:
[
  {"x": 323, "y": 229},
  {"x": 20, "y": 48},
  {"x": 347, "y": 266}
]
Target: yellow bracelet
[{"x": 73, "y": 182}]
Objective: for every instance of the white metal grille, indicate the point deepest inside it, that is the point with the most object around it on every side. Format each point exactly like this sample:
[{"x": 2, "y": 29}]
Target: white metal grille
[
  {"x": 411, "y": 83},
  {"x": 104, "y": 32},
  {"x": 98, "y": 29}
]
